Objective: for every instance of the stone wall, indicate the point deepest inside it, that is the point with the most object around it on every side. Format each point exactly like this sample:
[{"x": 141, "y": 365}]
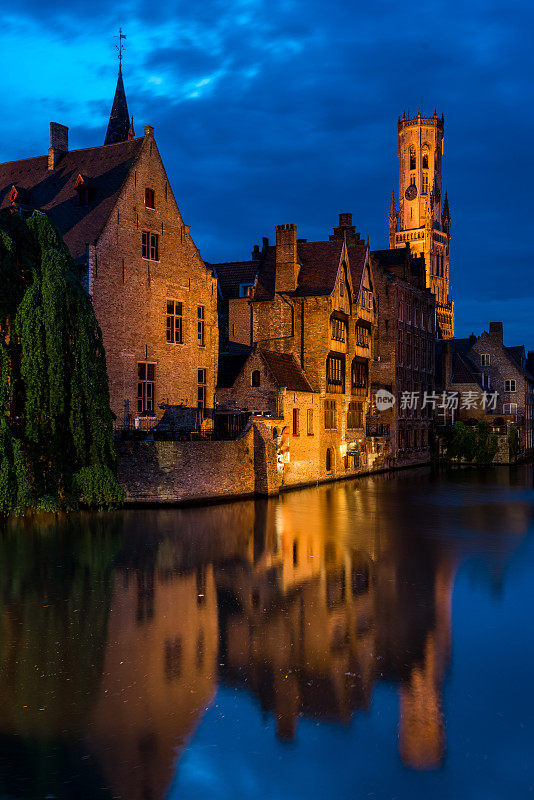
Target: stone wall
[{"x": 174, "y": 472}]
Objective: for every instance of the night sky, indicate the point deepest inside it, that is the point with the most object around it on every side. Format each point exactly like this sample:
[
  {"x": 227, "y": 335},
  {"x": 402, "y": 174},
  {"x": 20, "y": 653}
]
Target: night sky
[{"x": 269, "y": 112}]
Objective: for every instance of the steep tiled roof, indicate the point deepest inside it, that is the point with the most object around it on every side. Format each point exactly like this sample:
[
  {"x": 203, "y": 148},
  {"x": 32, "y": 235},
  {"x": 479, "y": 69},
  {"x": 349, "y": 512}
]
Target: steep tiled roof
[
  {"x": 356, "y": 255},
  {"x": 463, "y": 370},
  {"x": 320, "y": 264},
  {"x": 286, "y": 371},
  {"x": 517, "y": 354},
  {"x": 103, "y": 168},
  {"x": 233, "y": 273},
  {"x": 394, "y": 257}
]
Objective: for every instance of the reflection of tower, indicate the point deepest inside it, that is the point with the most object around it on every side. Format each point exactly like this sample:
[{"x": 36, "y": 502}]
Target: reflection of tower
[
  {"x": 419, "y": 221},
  {"x": 421, "y": 727}
]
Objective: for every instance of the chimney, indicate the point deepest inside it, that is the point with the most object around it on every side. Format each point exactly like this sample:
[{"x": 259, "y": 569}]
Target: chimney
[
  {"x": 495, "y": 331},
  {"x": 59, "y": 144},
  {"x": 287, "y": 266}
]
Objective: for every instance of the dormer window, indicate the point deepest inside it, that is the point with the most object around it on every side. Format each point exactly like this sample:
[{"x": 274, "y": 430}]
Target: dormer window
[
  {"x": 245, "y": 289},
  {"x": 149, "y": 198}
]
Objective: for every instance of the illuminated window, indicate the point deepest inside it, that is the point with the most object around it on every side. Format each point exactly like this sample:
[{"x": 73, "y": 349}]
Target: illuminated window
[
  {"x": 425, "y": 157},
  {"x": 335, "y": 374},
  {"x": 412, "y": 157},
  {"x": 174, "y": 322}
]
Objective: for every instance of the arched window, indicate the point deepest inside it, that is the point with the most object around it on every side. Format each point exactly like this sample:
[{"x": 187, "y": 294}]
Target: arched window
[
  {"x": 412, "y": 157},
  {"x": 255, "y": 378},
  {"x": 425, "y": 156},
  {"x": 329, "y": 460}
]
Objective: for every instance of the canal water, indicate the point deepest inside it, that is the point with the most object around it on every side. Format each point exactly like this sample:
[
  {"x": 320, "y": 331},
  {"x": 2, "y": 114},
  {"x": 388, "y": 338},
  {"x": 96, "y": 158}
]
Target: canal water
[{"x": 365, "y": 639}]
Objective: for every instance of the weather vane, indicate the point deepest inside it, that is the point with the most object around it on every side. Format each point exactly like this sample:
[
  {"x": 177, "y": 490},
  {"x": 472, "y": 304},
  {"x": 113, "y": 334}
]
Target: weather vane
[{"x": 120, "y": 46}]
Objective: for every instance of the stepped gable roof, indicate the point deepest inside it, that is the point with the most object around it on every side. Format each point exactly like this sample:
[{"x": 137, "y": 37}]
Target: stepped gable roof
[
  {"x": 103, "y": 168},
  {"x": 286, "y": 371},
  {"x": 233, "y": 273}
]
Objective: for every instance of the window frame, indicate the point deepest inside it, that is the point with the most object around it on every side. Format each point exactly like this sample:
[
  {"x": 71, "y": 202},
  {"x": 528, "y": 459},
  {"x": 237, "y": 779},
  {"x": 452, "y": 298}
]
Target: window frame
[
  {"x": 201, "y": 326},
  {"x": 172, "y": 319},
  {"x": 149, "y": 246},
  {"x": 309, "y": 422},
  {"x": 146, "y": 388},
  {"x": 296, "y": 421},
  {"x": 510, "y": 382},
  {"x": 150, "y": 195},
  {"x": 202, "y": 383}
]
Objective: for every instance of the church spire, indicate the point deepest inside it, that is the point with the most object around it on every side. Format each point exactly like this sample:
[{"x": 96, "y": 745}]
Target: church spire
[{"x": 119, "y": 119}]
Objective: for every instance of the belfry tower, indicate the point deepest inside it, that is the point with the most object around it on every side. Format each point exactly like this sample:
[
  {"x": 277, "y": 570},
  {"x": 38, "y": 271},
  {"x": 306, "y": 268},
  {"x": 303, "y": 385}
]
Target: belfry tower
[{"x": 420, "y": 218}]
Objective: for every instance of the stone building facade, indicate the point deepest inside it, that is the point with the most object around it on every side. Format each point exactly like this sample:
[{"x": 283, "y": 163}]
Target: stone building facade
[
  {"x": 315, "y": 301},
  {"x": 154, "y": 298},
  {"x": 404, "y": 362},
  {"x": 420, "y": 219},
  {"x": 494, "y": 383}
]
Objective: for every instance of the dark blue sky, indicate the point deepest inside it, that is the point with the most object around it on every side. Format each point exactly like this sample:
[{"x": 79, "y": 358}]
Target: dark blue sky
[{"x": 268, "y": 112}]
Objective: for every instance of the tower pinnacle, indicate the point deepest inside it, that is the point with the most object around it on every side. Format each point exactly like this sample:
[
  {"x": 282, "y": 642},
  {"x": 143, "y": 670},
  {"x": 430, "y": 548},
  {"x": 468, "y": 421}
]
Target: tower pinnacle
[{"x": 119, "y": 119}]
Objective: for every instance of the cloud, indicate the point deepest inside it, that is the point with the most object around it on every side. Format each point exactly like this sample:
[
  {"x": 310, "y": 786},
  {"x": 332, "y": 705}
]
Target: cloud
[{"x": 270, "y": 112}]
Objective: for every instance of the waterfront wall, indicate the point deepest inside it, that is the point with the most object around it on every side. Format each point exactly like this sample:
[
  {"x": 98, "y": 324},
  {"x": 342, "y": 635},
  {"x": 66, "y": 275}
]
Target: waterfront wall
[{"x": 174, "y": 472}]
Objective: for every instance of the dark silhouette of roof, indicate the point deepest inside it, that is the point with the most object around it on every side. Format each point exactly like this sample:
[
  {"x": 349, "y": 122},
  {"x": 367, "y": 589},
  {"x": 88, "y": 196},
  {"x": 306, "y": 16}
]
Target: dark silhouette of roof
[
  {"x": 103, "y": 169},
  {"x": 356, "y": 254},
  {"x": 119, "y": 119},
  {"x": 229, "y": 367},
  {"x": 286, "y": 371}
]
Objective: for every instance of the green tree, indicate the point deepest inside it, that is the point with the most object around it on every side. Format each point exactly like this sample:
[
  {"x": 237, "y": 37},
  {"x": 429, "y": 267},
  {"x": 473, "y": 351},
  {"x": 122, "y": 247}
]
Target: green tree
[{"x": 56, "y": 443}]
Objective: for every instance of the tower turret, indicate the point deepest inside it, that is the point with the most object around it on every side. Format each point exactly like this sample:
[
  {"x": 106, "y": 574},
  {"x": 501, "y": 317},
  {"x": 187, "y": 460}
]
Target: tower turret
[
  {"x": 393, "y": 220},
  {"x": 420, "y": 221}
]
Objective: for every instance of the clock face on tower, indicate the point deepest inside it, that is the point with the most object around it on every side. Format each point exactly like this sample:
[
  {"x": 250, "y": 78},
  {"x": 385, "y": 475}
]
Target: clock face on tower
[{"x": 411, "y": 192}]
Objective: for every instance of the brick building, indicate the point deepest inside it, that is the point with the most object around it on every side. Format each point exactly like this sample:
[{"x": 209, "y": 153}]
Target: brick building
[
  {"x": 154, "y": 298},
  {"x": 404, "y": 363},
  {"x": 479, "y": 367},
  {"x": 420, "y": 219},
  {"x": 315, "y": 301}
]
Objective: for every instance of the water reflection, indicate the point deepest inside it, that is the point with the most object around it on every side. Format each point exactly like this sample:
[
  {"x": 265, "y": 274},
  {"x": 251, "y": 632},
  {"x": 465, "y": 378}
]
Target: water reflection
[{"x": 117, "y": 629}]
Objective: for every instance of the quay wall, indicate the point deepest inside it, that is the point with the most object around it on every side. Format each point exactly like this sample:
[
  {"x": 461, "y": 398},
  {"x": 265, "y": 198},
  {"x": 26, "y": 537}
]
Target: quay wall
[{"x": 174, "y": 472}]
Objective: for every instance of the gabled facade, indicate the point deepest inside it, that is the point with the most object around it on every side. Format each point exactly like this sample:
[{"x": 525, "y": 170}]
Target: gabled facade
[
  {"x": 485, "y": 367},
  {"x": 154, "y": 298},
  {"x": 316, "y": 301}
]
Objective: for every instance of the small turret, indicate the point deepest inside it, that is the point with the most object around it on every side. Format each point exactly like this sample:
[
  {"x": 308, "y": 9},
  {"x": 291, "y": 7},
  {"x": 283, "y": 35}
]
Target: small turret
[
  {"x": 393, "y": 220},
  {"x": 446, "y": 216}
]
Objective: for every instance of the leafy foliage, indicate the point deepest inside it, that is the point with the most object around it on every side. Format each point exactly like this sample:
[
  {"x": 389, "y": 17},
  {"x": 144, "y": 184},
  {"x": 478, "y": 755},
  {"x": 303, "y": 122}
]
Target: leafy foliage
[
  {"x": 471, "y": 444},
  {"x": 56, "y": 445}
]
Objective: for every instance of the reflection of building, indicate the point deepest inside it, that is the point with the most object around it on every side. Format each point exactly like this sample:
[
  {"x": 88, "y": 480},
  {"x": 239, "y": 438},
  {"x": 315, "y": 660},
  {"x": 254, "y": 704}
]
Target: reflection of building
[
  {"x": 314, "y": 622},
  {"x": 159, "y": 675}
]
